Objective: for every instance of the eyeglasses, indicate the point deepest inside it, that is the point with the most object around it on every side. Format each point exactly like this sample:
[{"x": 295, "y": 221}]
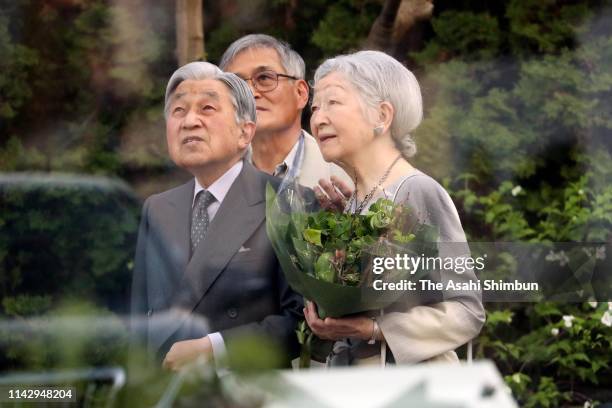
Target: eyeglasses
[{"x": 266, "y": 81}]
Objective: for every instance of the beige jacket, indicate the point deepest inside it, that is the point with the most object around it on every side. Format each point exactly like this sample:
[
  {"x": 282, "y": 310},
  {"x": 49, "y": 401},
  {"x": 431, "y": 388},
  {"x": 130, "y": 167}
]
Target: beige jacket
[{"x": 433, "y": 331}]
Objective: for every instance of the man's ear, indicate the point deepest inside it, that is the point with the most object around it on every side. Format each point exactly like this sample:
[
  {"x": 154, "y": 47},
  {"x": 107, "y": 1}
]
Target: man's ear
[
  {"x": 247, "y": 131},
  {"x": 301, "y": 88}
]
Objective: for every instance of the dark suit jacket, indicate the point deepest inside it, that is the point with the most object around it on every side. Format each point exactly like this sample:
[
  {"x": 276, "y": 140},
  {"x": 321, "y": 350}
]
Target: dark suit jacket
[{"x": 233, "y": 280}]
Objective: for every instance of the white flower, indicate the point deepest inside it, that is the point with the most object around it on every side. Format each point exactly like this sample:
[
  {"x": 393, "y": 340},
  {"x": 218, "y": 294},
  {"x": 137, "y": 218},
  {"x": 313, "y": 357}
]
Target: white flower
[
  {"x": 593, "y": 304},
  {"x": 600, "y": 252},
  {"x": 587, "y": 404},
  {"x": 567, "y": 320},
  {"x": 609, "y": 305},
  {"x": 516, "y": 191},
  {"x": 560, "y": 256},
  {"x": 554, "y": 331},
  {"x": 581, "y": 192},
  {"x": 607, "y": 318},
  {"x": 563, "y": 259}
]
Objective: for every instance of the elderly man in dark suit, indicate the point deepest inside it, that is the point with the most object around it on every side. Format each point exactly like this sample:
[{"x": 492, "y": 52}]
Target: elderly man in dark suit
[{"x": 202, "y": 247}]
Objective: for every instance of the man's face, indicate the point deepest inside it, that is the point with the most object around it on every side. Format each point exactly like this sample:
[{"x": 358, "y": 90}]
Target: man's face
[
  {"x": 281, "y": 108},
  {"x": 201, "y": 127}
]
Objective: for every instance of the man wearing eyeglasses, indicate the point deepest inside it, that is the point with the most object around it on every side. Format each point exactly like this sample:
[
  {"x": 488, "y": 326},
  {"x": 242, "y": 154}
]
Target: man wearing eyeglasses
[{"x": 275, "y": 74}]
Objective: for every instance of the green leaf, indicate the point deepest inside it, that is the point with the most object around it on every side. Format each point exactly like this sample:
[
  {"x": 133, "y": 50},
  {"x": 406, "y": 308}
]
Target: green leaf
[
  {"x": 324, "y": 269},
  {"x": 313, "y": 236}
]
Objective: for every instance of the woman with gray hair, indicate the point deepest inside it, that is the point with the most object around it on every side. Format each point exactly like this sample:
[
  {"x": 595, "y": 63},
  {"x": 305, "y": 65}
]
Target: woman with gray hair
[{"x": 365, "y": 107}]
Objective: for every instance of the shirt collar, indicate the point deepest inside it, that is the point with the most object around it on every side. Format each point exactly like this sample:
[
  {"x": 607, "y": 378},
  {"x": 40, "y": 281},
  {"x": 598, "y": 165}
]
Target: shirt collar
[
  {"x": 287, "y": 162},
  {"x": 222, "y": 185}
]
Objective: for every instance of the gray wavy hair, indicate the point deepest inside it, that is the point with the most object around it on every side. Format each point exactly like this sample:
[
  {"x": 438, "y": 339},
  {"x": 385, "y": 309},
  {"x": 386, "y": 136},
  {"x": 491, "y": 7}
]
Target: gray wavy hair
[
  {"x": 379, "y": 77},
  {"x": 240, "y": 93},
  {"x": 291, "y": 61}
]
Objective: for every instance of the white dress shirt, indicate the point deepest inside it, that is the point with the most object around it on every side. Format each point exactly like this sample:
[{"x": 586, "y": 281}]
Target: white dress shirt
[{"x": 219, "y": 190}]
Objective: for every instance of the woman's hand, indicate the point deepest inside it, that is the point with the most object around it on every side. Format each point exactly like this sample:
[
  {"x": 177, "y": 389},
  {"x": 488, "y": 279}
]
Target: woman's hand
[
  {"x": 338, "y": 328},
  {"x": 333, "y": 195}
]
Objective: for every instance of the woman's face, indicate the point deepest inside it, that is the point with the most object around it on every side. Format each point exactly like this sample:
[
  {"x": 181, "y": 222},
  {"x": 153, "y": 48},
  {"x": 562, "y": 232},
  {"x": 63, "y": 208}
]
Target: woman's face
[{"x": 338, "y": 120}]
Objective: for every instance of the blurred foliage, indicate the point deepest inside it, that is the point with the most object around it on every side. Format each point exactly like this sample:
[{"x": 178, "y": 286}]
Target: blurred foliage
[
  {"x": 16, "y": 60},
  {"x": 526, "y": 115},
  {"x": 345, "y": 25},
  {"x": 65, "y": 238},
  {"x": 75, "y": 72},
  {"x": 463, "y": 34},
  {"x": 518, "y": 124},
  {"x": 77, "y": 341}
]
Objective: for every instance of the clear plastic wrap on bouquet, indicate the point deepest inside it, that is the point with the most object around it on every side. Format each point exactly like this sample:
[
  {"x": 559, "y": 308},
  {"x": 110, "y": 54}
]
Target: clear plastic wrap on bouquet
[{"x": 328, "y": 257}]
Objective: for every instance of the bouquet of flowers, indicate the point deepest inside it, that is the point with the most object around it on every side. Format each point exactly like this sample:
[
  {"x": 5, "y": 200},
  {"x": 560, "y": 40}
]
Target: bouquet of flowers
[{"x": 327, "y": 256}]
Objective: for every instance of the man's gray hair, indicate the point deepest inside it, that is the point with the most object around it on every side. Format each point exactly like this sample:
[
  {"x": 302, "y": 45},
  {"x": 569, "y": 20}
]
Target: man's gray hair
[
  {"x": 240, "y": 93},
  {"x": 291, "y": 61},
  {"x": 379, "y": 77}
]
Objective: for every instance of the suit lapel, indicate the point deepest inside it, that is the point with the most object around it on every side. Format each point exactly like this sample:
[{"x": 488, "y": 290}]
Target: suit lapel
[
  {"x": 236, "y": 220},
  {"x": 176, "y": 223},
  {"x": 239, "y": 215}
]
